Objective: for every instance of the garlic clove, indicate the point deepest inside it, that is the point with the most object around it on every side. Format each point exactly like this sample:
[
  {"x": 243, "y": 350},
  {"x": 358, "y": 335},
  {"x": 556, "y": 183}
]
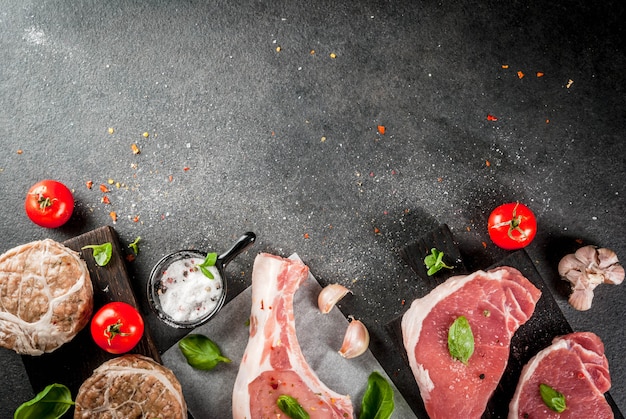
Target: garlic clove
[
  {"x": 356, "y": 339},
  {"x": 329, "y": 296}
]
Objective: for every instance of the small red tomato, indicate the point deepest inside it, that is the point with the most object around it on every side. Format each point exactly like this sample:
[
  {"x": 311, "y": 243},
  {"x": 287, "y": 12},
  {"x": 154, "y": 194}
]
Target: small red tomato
[
  {"x": 49, "y": 204},
  {"x": 117, "y": 327},
  {"x": 512, "y": 226}
]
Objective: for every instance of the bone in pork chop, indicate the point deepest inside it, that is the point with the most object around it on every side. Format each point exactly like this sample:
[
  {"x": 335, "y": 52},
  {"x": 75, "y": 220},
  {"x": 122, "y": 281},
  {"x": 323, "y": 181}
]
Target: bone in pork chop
[
  {"x": 575, "y": 366},
  {"x": 495, "y": 303},
  {"x": 273, "y": 364},
  {"x": 46, "y": 297}
]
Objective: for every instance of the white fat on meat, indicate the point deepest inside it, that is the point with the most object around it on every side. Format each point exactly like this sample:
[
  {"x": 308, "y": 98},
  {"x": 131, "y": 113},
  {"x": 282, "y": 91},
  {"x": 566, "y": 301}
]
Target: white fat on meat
[{"x": 273, "y": 364}]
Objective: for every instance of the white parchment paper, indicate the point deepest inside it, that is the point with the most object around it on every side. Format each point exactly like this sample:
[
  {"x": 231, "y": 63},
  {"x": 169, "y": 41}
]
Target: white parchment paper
[{"x": 208, "y": 393}]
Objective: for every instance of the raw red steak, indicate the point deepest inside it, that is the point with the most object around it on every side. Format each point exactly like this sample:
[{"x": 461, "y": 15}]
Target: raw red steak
[
  {"x": 495, "y": 303},
  {"x": 273, "y": 363},
  {"x": 576, "y": 367}
]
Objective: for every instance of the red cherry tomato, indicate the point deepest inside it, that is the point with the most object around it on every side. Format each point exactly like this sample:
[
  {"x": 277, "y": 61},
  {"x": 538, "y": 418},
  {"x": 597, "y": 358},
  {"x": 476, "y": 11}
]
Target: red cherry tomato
[
  {"x": 512, "y": 226},
  {"x": 49, "y": 203},
  {"x": 117, "y": 327}
]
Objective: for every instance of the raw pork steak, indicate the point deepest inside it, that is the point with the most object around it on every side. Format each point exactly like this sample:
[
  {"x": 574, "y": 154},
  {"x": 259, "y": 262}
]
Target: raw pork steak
[
  {"x": 495, "y": 303},
  {"x": 576, "y": 367},
  {"x": 273, "y": 364}
]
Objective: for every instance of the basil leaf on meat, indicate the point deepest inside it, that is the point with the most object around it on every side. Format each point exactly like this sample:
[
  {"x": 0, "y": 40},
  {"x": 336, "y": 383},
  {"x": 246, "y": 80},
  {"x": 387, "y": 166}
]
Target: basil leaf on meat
[
  {"x": 201, "y": 352},
  {"x": 51, "y": 403},
  {"x": 552, "y": 398},
  {"x": 101, "y": 252},
  {"x": 378, "y": 400},
  {"x": 461, "y": 340},
  {"x": 291, "y": 407}
]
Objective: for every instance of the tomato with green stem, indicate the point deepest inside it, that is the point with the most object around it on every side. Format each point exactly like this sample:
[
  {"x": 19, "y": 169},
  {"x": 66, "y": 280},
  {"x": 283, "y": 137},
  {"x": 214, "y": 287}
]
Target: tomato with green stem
[
  {"x": 49, "y": 203},
  {"x": 512, "y": 226},
  {"x": 117, "y": 327}
]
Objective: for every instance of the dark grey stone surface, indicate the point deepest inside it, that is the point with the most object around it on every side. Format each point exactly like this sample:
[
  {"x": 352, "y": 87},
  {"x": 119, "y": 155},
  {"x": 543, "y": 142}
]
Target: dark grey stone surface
[{"x": 285, "y": 143}]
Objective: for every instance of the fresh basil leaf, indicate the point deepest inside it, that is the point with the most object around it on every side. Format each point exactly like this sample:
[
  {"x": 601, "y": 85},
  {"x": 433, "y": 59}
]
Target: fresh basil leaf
[
  {"x": 291, "y": 407},
  {"x": 51, "y": 403},
  {"x": 461, "y": 340},
  {"x": 434, "y": 262},
  {"x": 552, "y": 398},
  {"x": 377, "y": 401},
  {"x": 201, "y": 352},
  {"x": 101, "y": 252},
  {"x": 210, "y": 260}
]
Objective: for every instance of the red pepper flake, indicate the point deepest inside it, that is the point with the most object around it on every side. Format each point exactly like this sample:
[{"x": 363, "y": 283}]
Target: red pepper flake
[
  {"x": 135, "y": 149},
  {"x": 468, "y": 228},
  {"x": 20, "y": 151},
  {"x": 520, "y": 75},
  {"x": 491, "y": 117},
  {"x": 104, "y": 188},
  {"x": 170, "y": 178},
  {"x": 403, "y": 302},
  {"x": 547, "y": 121},
  {"x": 381, "y": 129},
  {"x": 540, "y": 74},
  {"x": 113, "y": 216},
  {"x": 372, "y": 174},
  {"x": 393, "y": 172},
  {"x": 136, "y": 219},
  {"x": 185, "y": 168},
  {"x": 306, "y": 235},
  {"x": 485, "y": 245},
  {"x": 105, "y": 200},
  {"x": 487, "y": 163},
  {"x": 579, "y": 241},
  {"x": 130, "y": 257},
  {"x": 439, "y": 179},
  {"x": 505, "y": 66},
  {"x": 89, "y": 184},
  {"x": 376, "y": 230}
]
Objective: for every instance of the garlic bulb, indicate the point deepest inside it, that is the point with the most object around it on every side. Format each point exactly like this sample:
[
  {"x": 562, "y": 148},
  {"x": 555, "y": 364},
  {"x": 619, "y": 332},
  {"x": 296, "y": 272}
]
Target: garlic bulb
[
  {"x": 588, "y": 268},
  {"x": 329, "y": 296},
  {"x": 356, "y": 339}
]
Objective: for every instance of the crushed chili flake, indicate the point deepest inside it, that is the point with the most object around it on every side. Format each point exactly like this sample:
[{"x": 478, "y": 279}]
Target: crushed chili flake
[
  {"x": 491, "y": 117},
  {"x": 170, "y": 178},
  {"x": 113, "y": 216},
  {"x": 540, "y": 74},
  {"x": 547, "y": 121},
  {"x": 485, "y": 245},
  {"x": 376, "y": 230},
  {"x": 468, "y": 228},
  {"x": 20, "y": 151},
  {"x": 403, "y": 302},
  {"x": 381, "y": 129},
  {"x": 306, "y": 235},
  {"x": 136, "y": 219},
  {"x": 135, "y": 149},
  {"x": 130, "y": 257},
  {"x": 520, "y": 74},
  {"x": 487, "y": 163},
  {"x": 103, "y": 188},
  {"x": 89, "y": 184},
  {"x": 312, "y": 52},
  {"x": 105, "y": 200},
  {"x": 185, "y": 168},
  {"x": 505, "y": 66}
]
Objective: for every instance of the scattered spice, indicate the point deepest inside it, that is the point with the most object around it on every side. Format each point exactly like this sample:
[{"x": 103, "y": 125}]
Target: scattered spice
[
  {"x": 185, "y": 168},
  {"x": 146, "y": 134},
  {"x": 113, "y": 216},
  {"x": 306, "y": 235},
  {"x": 520, "y": 75},
  {"x": 539, "y": 74},
  {"x": 505, "y": 66},
  {"x": 569, "y": 83},
  {"x": 312, "y": 52},
  {"x": 381, "y": 129},
  {"x": 333, "y": 55},
  {"x": 278, "y": 49},
  {"x": 103, "y": 188},
  {"x": 110, "y": 181},
  {"x": 89, "y": 184},
  {"x": 105, "y": 200},
  {"x": 111, "y": 130},
  {"x": 136, "y": 219},
  {"x": 487, "y": 163},
  {"x": 491, "y": 117},
  {"x": 376, "y": 230},
  {"x": 135, "y": 149}
]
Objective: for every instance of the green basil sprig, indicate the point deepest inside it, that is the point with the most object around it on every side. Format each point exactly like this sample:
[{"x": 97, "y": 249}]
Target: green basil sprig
[
  {"x": 135, "y": 245},
  {"x": 51, "y": 403},
  {"x": 210, "y": 260},
  {"x": 461, "y": 340},
  {"x": 552, "y": 398},
  {"x": 201, "y": 352},
  {"x": 291, "y": 407},
  {"x": 434, "y": 262},
  {"x": 377, "y": 401},
  {"x": 101, "y": 252}
]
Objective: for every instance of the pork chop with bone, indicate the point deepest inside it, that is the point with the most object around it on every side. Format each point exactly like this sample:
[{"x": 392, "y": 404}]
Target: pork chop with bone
[
  {"x": 273, "y": 364},
  {"x": 495, "y": 303}
]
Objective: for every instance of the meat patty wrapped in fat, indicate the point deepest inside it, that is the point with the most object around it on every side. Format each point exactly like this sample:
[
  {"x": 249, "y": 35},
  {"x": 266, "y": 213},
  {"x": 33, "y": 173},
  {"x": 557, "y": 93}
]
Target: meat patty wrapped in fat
[
  {"x": 46, "y": 297},
  {"x": 131, "y": 387}
]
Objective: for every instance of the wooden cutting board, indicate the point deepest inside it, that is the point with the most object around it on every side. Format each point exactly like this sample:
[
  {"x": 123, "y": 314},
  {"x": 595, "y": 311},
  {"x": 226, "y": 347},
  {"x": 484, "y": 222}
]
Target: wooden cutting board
[
  {"x": 75, "y": 361},
  {"x": 547, "y": 322}
]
